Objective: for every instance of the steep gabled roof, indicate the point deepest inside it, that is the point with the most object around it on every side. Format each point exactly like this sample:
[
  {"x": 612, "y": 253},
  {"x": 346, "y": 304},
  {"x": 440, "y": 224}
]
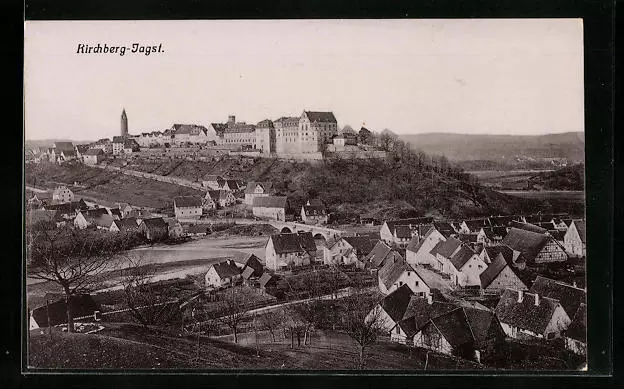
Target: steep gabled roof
[
  {"x": 267, "y": 279},
  {"x": 526, "y": 315},
  {"x": 499, "y": 263},
  {"x": 408, "y": 222},
  {"x": 580, "y": 227},
  {"x": 455, "y": 328},
  {"x": 393, "y": 268},
  {"x": 578, "y": 328},
  {"x": 187, "y": 201},
  {"x": 403, "y": 232},
  {"x": 528, "y": 243},
  {"x": 94, "y": 152},
  {"x": 156, "y": 223},
  {"x": 419, "y": 312},
  {"x": 226, "y": 269},
  {"x": 483, "y": 324},
  {"x": 378, "y": 254},
  {"x": 476, "y": 224},
  {"x": 271, "y": 201},
  {"x": 63, "y": 146},
  {"x": 315, "y": 116},
  {"x": 293, "y": 243},
  {"x": 446, "y": 248},
  {"x": 569, "y": 296},
  {"x": 462, "y": 256},
  {"x": 363, "y": 245},
  {"x": 252, "y": 262},
  {"x": 39, "y": 215},
  {"x": 314, "y": 210},
  {"x": 247, "y": 273},
  {"x": 528, "y": 227},
  {"x": 251, "y": 186},
  {"x": 395, "y": 304}
]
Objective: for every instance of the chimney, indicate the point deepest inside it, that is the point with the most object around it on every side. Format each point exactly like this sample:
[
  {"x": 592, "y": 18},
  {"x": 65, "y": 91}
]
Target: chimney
[
  {"x": 536, "y": 299},
  {"x": 520, "y": 295},
  {"x": 429, "y": 298}
]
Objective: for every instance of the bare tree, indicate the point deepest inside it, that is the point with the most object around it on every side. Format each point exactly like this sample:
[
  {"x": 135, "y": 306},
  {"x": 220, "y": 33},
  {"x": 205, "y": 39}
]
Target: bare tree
[
  {"x": 233, "y": 308},
  {"x": 271, "y": 321},
  {"x": 361, "y": 322},
  {"x": 148, "y": 304},
  {"x": 74, "y": 259}
]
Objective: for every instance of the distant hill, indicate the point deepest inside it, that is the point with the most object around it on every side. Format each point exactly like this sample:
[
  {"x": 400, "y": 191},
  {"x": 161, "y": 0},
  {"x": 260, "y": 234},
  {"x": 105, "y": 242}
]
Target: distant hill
[
  {"x": 567, "y": 178},
  {"x": 464, "y": 147},
  {"x": 50, "y": 142}
]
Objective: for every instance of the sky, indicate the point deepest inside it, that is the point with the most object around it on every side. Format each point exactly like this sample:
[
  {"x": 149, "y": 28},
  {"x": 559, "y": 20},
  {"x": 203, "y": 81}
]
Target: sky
[{"x": 472, "y": 76}]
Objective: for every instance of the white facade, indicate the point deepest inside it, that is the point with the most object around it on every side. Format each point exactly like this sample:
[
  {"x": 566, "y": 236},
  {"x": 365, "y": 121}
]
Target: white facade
[
  {"x": 63, "y": 194},
  {"x": 409, "y": 278},
  {"x": 423, "y": 256}
]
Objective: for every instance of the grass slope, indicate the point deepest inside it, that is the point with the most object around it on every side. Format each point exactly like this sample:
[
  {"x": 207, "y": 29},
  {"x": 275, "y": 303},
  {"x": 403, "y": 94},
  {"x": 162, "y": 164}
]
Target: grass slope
[{"x": 111, "y": 186}]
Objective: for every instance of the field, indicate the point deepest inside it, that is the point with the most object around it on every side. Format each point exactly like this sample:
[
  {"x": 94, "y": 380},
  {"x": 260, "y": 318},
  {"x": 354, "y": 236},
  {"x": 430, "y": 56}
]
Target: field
[
  {"x": 486, "y": 175},
  {"x": 563, "y": 195},
  {"x": 117, "y": 345}
]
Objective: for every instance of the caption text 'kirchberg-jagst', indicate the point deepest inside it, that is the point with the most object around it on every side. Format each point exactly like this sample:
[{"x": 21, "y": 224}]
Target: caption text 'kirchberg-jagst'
[{"x": 134, "y": 48}]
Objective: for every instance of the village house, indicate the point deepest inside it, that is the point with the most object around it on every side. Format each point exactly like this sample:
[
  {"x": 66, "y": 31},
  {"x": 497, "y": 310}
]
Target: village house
[
  {"x": 118, "y": 145},
  {"x": 213, "y": 182},
  {"x": 389, "y": 234},
  {"x": 174, "y": 228},
  {"x": 104, "y": 222},
  {"x": 126, "y": 225},
  {"x": 103, "y": 144},
  {"x": 513, "y": 257},
  {"x": 348, "y": 250},
  {"x": 220, "y": 198},
  {"x": 192, "y": 133},
  {"x": 93, "y": 156},
  {"x": 392, "y": 307},
  {"x": 68, "y": 210},
  {"x": 80, "y": 151},
  {"x": 62, "y": 194},
  {"x": 575, "y": 336},
  {"x": 443, "y": 251},
  {"x": 154, "y": 229},
  {"x": 569, "y": 296},
  {"x": 289, "y": 250},
  {"x": 536, "y": 248},
  {"x": 187, "y": 207},
  {"x": 529, "y": 315},
  {"x": 231, "y": 185},
  {"x": 253, "y": 262},
  {"x": 396, "y": 273},
  {"x": 68, "y": 155},
  {"x": 125, "y": 209},
  {"x": 574, "y": 238},
  {"x": 503, "y": 221},
  {"x": 257, "y": 189},
  {"x": 378, "y": 256},
  {"x": 208, "y": 203},
  {"x": 222, "y": 274},
  {"x": 271, "y": 207},
  {"x": 489, "y": 236},
  {"x": 466, "y": 267},
  {"x": 130, "y": 146},
  {"x": 267, "y": 282},
  {"x": 463, "y": 332},
  {"x": 418, "y": 251},
  {"x": 500, "y": 275},
  {"x": 93, "y": 217},
  {"x": 313, "y": 214},
  {"x": 196, "y": 229}
]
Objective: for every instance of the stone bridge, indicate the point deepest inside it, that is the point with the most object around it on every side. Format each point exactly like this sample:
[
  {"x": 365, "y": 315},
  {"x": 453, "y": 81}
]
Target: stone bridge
[{"x": 317, "y": 231}]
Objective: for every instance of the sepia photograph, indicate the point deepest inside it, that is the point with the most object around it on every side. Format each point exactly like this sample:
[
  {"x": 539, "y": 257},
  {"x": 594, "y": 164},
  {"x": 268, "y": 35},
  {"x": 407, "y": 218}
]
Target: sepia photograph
[{"x": 305, "y": 195}]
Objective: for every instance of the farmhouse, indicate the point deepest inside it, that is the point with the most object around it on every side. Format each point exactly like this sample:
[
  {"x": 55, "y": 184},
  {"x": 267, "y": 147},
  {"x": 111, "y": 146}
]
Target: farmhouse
[
  {"x": 174, "y": 227},
  {"x": 220, "y": 197},
  {"x": 313, "y": 214},
  {"x": 154, "y": 228},
  {"x": 222, "y": 274},
  {"x": 499, "y": 276},
  {"x": 62, "y": 194},
  {"x": 473, "y": 226},
  {"x": 388, "y": 232},
  {"x": 271, "y": 207},
  {"x": 36, "y": 216},
  {"x": 392, "y": 307},
  {"x": 257, "y": 189},
  {"x": 253, "y": 266},
  {"x": 536, "y": 248},
  {"x": 68, "y": 210},
  {"x": 466, "y": 267},
  {"x": 462, "y": 332},
  {"x": 93, "y": 156},
  {"x": 379, "y": 255},
  {"x": 127, "y": 225},
  {"x": 187, "y": 207},
  {"x": 443, "y": 251},
  {"x": 396, "y": 273},
  {"x": 348, "y": 250},
  {"x": 529, "y": 315},
  {"x": 90, "y": 217},
  {"x": 289, "y": 250},
  {"x": 418, "y": 251},
  {"x": 570, "y": 297},
  {"x": 512, "y": 257},
  {"x": 574, "y": 238}
]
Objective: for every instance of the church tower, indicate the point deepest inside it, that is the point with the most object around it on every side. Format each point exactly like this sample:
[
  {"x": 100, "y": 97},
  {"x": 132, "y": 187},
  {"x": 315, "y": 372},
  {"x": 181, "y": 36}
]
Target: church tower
[{"x": 124, "y": 123}]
